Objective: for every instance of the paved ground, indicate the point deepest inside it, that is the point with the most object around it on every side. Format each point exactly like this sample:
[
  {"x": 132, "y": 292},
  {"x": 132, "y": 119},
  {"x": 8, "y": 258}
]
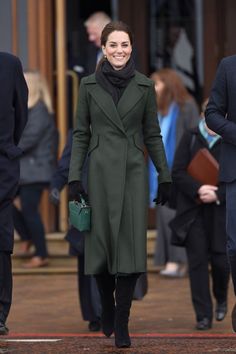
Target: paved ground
[
  {"x": 49, "y": 304},
  {"x": 46, "y": 307},
  {"x": 144, "y": 345}
]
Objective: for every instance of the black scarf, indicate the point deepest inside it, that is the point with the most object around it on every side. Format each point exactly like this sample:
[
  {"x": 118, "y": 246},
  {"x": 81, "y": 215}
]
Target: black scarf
[{"x": 115, "y": 81}]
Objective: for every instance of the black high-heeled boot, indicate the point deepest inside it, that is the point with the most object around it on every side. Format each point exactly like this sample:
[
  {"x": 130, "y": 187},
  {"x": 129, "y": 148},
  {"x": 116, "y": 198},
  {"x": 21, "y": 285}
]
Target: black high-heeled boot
[
  {"x": 106, "y": 287},
  {"x": 124, "y": 294}
]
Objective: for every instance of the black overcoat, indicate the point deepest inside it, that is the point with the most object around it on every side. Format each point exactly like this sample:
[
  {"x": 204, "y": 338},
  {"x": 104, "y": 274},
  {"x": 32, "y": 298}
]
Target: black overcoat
[
  {"x": 187, "y": 205},
  {"x": 221, "y": 115},
  {"x": 13, "y": 118}
]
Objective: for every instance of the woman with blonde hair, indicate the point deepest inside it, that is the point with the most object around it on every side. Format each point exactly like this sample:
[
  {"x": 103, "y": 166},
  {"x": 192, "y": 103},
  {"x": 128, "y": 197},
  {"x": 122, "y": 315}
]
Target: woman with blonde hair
[
  {"x": 38, "y": 90},
  {"x": 177, "y": 112},
  {"x": 38, "y": 143}
]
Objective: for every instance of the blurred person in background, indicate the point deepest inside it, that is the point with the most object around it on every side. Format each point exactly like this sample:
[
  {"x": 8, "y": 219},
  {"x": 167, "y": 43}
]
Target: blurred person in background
[
  {"x": 39, "y": 145},
  {"x": 177, "y": 112},
  {"x": 200, "y": 226},
  {"x": 89, "y": 297},
  {"x": 13, "y": 118},
  {"x": 94, "y": 25}
]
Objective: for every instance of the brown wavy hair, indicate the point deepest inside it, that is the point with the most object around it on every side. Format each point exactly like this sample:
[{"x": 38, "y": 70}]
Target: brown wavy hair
[
  {"x": 115, "y": 26},
  {"x": 111, "y": 27},
  {"x": 174, "y": 89}
]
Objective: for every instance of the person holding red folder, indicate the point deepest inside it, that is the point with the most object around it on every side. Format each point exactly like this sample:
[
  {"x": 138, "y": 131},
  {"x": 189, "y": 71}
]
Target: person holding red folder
[{"x": 199, "y": 225}]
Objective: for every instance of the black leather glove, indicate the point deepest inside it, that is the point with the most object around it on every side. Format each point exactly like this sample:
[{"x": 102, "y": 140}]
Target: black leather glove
[
  {"x": 163, "y": 194},
  {"x": 54, "y": 196},
  {"x": 76, "y": 190}
]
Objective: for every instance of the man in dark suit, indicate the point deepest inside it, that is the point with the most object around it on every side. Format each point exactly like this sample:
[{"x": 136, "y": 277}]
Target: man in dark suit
[
  {"x": 94, "y": 26},
  {"x": 221, "y": 118},
  {"x": 13, "y": 118},
  {"x": 93, "y": 52},
  {"x": 86, "y": 64}
]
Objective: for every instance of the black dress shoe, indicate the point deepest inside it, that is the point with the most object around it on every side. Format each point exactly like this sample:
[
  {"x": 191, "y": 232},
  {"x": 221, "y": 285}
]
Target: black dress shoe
[
  {"x": 221, "y": 310},
  {"x": 233, "y": 318},
  {"x": 94, "y": 326},
  {"x": 204, "y": 324},
  {"x": 3, "y": 329}
]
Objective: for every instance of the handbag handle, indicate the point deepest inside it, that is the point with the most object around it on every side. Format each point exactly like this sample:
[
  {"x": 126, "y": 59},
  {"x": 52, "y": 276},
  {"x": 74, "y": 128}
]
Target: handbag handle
[{"x": 83, "y": 201}]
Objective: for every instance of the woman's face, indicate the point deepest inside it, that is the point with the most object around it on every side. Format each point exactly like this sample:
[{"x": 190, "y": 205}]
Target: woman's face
[
  {"x": 117, "y": 49},
  {"x": 159, "y": 86}
]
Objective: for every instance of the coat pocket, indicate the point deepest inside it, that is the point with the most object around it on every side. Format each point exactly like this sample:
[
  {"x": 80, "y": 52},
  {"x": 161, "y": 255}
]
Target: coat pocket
[
  {"x": 138, "y": 142},
  {"x": 94, "y": 142}
]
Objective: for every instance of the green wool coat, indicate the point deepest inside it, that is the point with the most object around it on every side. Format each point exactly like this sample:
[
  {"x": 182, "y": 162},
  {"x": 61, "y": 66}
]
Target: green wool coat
[{"x": 114, "y": 139}]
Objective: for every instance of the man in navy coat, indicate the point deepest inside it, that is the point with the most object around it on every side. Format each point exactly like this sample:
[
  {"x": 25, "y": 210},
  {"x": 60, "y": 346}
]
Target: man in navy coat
[
  {"x": 13, "y": 118},
  {"x": 221, "y": 118}
]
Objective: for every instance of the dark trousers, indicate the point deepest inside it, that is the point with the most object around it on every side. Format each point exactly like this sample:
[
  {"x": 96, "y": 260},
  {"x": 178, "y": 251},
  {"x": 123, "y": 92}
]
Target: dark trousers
[
  {"x": 88, "y": 294},
  {"x": 6, "y": 226},
  {"x": 199, "y": 255},
  {"x": 27, "y": 221},
  {"x": 5, "y": 285},
  {"x": 19, "y": 225},
  {"x": 231, "y": 228}
]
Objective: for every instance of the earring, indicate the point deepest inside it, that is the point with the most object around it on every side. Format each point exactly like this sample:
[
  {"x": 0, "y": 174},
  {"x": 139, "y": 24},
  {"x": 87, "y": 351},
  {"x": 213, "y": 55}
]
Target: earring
[{"x": 105, "y": 56}]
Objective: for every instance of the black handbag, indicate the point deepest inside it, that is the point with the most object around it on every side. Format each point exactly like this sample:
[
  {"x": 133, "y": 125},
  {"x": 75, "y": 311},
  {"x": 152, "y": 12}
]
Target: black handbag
[{"x": 80, "y": 215}]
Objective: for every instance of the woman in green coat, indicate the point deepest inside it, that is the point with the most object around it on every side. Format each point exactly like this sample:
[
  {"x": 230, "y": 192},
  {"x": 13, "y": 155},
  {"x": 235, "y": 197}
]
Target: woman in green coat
[{"x": 116, "y": 117}]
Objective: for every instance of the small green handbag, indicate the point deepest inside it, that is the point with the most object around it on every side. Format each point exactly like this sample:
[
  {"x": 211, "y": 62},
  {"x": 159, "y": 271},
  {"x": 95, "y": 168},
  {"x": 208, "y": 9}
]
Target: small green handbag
[{"x": 80, "y": 215}]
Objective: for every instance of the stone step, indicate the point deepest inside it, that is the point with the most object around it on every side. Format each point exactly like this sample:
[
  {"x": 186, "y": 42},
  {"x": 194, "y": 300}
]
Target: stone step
[
  {"x": 58, "y": 246},
  {"x": 61, "y": 262},
  {"x": 55, "y": 260},
  {"x": 58, "y": 266}
]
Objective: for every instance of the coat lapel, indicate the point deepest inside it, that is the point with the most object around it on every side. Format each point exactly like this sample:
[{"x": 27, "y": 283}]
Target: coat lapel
[
  {"x": 128, "y": 100},
  {"x": 105, "y": 102},
  {"x": 130, "y": 97}
]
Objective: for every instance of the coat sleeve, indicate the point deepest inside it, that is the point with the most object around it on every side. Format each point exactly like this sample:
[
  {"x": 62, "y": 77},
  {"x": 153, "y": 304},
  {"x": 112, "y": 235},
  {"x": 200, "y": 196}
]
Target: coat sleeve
[
  {"x": 81, "y": 137},
  {"x": 20, "y": 102},
  {"x": 221, "y": 193},
  {"x": 216, "y": 112},
  {"x": 153, "y": 137},
  {"x": 60, "y": 177},
  {"x": 184, "y": 182}
]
